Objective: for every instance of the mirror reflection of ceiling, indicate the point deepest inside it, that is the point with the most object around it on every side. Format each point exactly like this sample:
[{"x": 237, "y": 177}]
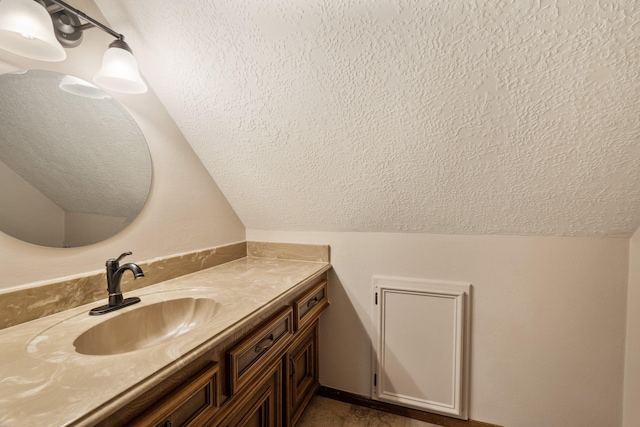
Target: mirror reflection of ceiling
[{"x": 78, "y": 151}]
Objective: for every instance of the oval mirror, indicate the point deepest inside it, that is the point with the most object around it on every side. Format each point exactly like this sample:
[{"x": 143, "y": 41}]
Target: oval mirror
[{"x": 75, "y": 168}]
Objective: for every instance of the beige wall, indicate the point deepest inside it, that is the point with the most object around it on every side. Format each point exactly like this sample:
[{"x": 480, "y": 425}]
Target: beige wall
[
  {"x": 548, "y": 318},
  {"x": 632, "y": 356},
  {"x": 35, "y": 217},
  {"x": 186, "y": 210},
  {"x": 81, "y": 229}
]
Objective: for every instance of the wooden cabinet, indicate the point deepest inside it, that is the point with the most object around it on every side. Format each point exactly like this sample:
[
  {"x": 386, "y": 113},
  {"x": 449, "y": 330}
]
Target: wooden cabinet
[
  {"x": 261, "y": 405},
  {"x": 298, "y": 350},
  {"x": 264, "y": 377},
  {"x": 296, "y": 365},
  {"x": 303, "y": 372},
  {"x": 191, "y": 404}
]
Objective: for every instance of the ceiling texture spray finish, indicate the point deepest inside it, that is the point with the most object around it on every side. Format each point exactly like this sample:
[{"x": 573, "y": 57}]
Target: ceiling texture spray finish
[{"x": 496, "y": 117}]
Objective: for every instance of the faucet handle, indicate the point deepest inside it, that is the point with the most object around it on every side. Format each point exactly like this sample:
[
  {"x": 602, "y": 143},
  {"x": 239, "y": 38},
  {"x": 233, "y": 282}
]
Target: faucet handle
[
  {"x": 113, "y": 263},
  {"x": 122, "y": 256}
]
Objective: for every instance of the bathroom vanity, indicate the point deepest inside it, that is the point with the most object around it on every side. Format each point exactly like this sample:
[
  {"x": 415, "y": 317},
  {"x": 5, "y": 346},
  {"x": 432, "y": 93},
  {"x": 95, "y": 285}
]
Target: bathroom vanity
[
  {"x": 271, "y": 374},
  {"x": 250, "y": 359}
]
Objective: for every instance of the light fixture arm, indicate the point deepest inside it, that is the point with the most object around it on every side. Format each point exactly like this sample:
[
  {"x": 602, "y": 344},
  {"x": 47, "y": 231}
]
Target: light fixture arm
[{"x": 91, "y": 22}]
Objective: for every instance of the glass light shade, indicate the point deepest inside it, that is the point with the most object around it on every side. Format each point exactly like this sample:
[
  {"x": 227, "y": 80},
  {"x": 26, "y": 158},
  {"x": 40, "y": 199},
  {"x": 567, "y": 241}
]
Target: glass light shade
[
  {"x": 119, "y": 72},
  {"x": 26, "y": 29}
]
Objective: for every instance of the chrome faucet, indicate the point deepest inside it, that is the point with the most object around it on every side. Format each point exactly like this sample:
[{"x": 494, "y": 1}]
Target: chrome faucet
[{"x": 114, "y": 276}]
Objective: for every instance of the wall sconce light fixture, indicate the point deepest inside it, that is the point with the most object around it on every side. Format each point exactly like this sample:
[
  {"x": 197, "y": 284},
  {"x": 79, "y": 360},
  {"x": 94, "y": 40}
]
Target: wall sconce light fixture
[{"x": 41, "y": 29}]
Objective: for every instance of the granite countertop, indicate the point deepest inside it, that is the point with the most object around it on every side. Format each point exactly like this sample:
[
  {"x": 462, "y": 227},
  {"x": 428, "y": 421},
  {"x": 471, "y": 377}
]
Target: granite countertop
[{"x": 44, "y": 381}]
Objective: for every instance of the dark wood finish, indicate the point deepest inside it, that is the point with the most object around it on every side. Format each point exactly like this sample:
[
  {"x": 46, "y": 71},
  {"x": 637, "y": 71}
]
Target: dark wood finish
[
  {"x": 189, "y": 405},
  {"x": 245, "y": 333},
  {"x": 249, "y": 357},
  {"x": 308, "y": 307},
  {"x": 303, "y": 372},
  {"x": 356, "y": 399},
  {"x": 260, "y": 405}
]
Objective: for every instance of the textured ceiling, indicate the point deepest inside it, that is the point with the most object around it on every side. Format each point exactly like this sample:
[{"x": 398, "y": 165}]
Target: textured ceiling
[{"x": 440, "y": 116}]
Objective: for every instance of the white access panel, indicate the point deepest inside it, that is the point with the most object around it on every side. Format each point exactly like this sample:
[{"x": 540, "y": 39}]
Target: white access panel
[{"x": 421, "y": 344}]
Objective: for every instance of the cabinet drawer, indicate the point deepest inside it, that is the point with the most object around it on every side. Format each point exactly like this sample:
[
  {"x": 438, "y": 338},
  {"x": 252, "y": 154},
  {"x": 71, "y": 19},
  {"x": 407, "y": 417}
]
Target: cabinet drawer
[
  {"x": 307, "y": 308},
  {"x": 248, "y": 357},
  {"x": 191, "y": 404}
]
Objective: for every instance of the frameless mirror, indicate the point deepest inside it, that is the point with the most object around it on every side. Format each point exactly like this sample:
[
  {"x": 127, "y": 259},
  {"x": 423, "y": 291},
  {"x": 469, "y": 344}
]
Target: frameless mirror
[{"x": 75, "y": 168}]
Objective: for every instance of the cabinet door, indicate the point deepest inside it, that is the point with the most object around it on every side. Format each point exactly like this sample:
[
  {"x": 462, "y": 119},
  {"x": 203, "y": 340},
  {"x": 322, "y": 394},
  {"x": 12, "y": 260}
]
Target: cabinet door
[
  {"x": 262, "y": 405},
  {"x": 421, "y": 344},
  {"x": 303, "y": 372}
]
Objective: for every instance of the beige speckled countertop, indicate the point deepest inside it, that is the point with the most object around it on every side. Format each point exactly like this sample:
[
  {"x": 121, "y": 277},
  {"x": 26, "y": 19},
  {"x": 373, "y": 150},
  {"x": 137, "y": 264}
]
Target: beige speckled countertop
[{"x": 45, "y": 382}]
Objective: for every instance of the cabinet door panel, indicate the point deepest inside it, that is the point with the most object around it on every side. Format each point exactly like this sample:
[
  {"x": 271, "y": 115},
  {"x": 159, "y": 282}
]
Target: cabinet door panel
[
  {"x": 413, "y": 317},
  {"x": 303, "y": 372},
  {"x": 262, "y": 405},
  {"x": 256, "y": 414}
]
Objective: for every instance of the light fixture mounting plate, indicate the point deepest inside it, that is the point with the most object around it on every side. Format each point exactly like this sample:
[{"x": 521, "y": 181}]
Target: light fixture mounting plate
[{"x": 67, "y": 28}]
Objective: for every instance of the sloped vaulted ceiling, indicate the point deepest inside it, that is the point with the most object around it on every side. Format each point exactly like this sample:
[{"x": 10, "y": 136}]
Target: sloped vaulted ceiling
[{"x": 440, "y": 116}]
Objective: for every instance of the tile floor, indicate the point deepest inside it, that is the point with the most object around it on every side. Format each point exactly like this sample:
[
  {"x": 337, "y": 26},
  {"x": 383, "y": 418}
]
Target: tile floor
[{"x": 324, "y": 412}]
